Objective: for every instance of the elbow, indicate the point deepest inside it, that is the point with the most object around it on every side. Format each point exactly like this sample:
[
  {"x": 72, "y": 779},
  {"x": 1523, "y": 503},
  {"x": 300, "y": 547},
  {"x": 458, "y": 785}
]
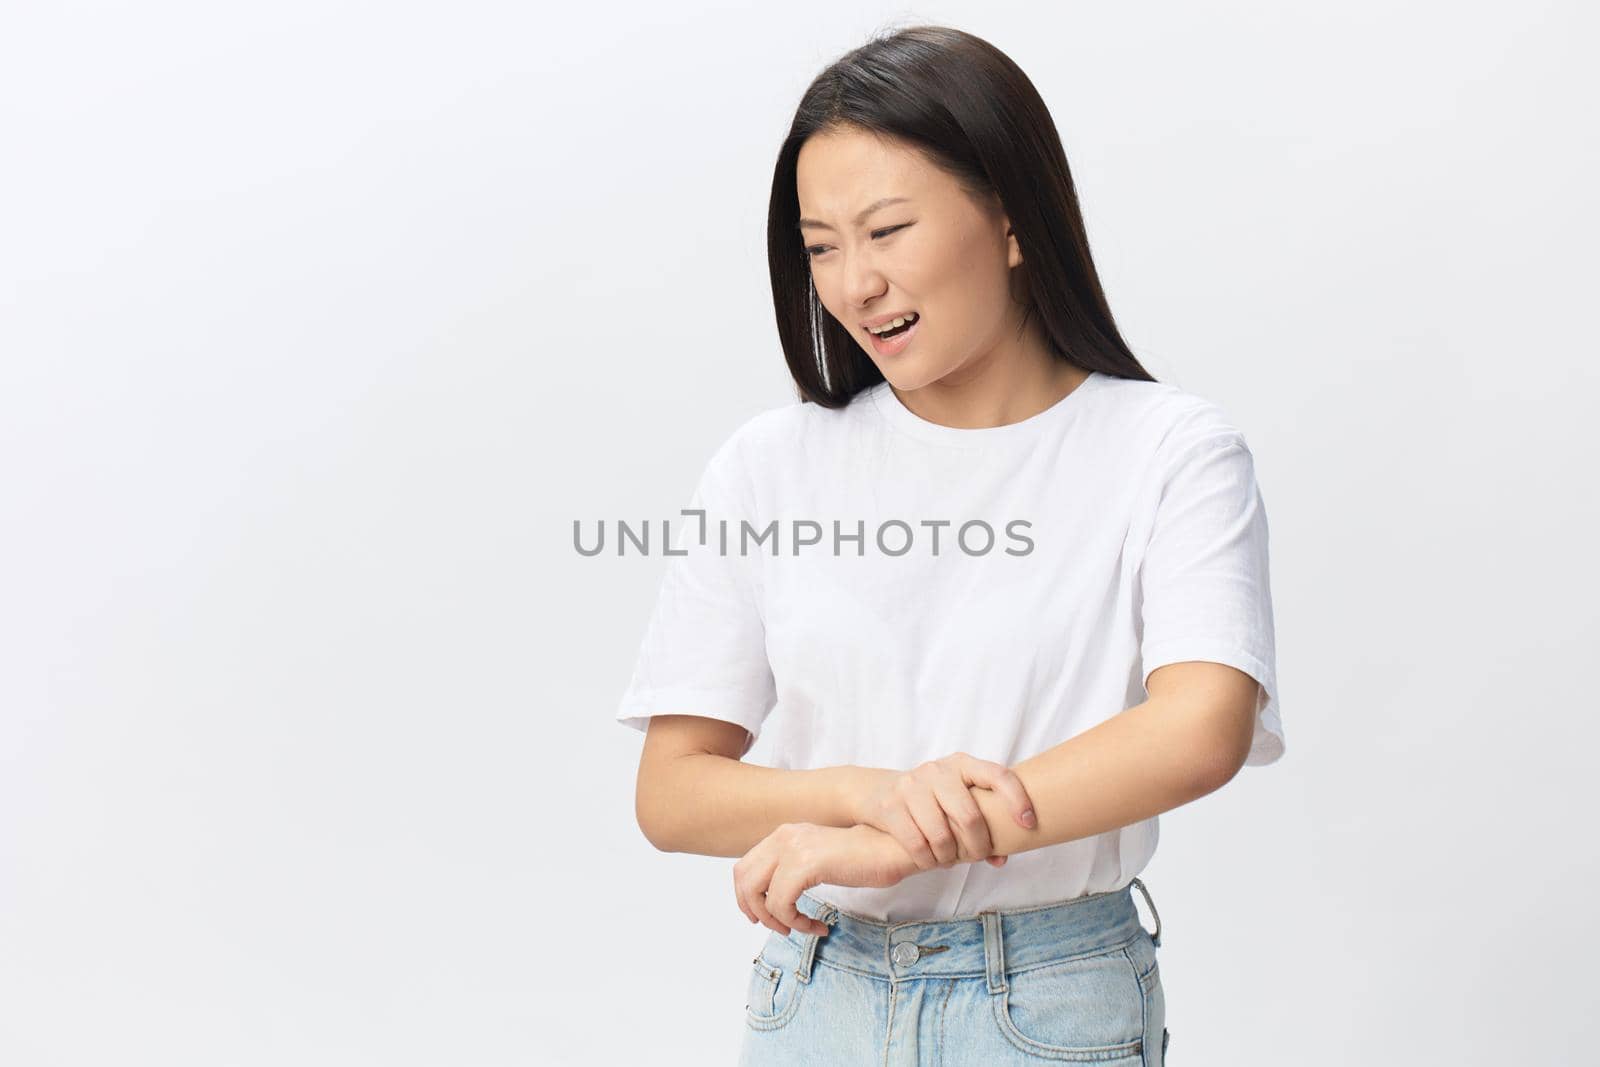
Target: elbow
[
  {"x": 1213, "y": 759},
  {"x": 652, "y": 815},
  {"x": 1218, "y": 772},
  {"x": 1223, "y": 757},
  {"x": 658, "y": 836},
  {"x": 1226, "y": 742},
  {"x": 648, "y": 828},
  {"x": 1218, "y": 705},
  {"x": 650, "y": 823}
]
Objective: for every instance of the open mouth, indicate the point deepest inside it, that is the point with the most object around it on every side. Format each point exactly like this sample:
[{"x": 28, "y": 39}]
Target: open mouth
[
  {"x": 885, "y": 335},
  {"x": 898, "y": 339},
  {"x": 898, "y": 330},
  {"x": 892, "y": 342}
]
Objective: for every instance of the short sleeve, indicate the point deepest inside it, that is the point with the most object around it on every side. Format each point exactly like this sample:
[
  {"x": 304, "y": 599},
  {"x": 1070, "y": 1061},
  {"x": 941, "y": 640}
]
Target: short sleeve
[
  {"x": 704, "y": 647},
  {"x": 1206, "y": 591}
]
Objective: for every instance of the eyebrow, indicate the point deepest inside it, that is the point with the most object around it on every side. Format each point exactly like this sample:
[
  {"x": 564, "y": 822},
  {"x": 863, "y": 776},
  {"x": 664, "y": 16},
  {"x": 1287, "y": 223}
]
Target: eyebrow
[{"x": 869, "y": 209}]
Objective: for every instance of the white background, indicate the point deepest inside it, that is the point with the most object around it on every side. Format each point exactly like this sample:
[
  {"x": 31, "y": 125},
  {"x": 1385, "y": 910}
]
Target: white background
[{"x": 322, "y": 322}]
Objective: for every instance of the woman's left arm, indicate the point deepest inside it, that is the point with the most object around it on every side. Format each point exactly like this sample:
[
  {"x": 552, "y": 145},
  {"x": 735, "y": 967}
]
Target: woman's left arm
[{"x": 1188, "y": 739}]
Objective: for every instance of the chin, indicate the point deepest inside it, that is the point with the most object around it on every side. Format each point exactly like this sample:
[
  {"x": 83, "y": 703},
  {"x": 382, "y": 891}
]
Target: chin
[
  {"x": 904, "y": 375},
  {"x": 908, "y": 379}
]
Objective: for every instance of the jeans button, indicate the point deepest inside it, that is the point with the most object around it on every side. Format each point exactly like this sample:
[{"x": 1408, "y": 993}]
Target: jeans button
[{"x": 905, "y": 953}]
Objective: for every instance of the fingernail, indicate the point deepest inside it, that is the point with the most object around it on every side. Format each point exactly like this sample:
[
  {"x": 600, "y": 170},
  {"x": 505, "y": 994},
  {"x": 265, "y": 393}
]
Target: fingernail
[{"x": 1027, "y": 818}]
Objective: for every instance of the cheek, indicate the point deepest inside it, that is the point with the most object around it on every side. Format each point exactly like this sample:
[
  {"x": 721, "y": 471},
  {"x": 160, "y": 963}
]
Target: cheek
[{"x": 941, "y": 274}]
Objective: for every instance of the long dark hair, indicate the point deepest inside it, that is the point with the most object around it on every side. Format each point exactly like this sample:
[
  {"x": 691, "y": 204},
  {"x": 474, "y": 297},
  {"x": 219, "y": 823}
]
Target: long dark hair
[{"x": 974, "y": 113}]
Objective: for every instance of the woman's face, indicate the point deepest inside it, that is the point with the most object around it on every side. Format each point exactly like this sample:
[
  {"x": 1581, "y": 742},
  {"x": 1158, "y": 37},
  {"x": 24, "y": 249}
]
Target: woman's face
[{"x": 887, "y": 232}]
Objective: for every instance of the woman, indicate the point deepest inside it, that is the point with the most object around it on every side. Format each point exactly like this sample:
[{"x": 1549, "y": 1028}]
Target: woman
[{"x": 985, "y": 536}]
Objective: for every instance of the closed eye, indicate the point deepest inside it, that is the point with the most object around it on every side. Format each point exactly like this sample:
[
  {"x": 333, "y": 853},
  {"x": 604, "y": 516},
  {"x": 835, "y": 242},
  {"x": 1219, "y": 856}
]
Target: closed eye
[{"x": 813, "y": 251}]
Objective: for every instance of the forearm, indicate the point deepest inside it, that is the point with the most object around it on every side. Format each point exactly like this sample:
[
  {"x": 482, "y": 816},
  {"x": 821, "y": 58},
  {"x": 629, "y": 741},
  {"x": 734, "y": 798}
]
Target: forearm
[
  {"x": 1146, "y": 760},
  {"x": 711, "y": 805}
]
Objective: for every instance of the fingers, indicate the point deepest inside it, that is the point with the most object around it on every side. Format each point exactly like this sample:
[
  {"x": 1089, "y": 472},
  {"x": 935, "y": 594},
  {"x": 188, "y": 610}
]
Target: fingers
[
  {"x": 752, "y": 875},
  {"x": 738, "y": 898},
  {"x": 781, "y": 905},
  {"x": 931, "y": 812},
  {"x": 1004, "y": 781},
  {"x": 965, "y": 817},
  {"x": 758, "y": 904},
  {"x": 750, "y": 878},
  {"x": 925, "y": 808},
  {"x": 903, "y": 828},
  {"x": 773, "y": 907}
]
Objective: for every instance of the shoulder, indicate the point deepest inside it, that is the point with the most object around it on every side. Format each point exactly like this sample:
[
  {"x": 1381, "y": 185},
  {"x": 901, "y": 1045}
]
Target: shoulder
[
  {"x": 783, "y": 431},
  {"x": 1166, "y": 421}
]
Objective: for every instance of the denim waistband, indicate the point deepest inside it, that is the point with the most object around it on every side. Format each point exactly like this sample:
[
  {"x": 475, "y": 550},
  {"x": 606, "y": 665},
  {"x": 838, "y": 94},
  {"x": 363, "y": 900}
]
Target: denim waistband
[{"x": 988, "y": 943}]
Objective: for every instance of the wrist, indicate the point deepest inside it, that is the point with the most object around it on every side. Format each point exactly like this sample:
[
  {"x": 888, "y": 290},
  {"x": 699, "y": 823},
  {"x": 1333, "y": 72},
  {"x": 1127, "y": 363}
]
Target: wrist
[
  {"x": 854, "y": 785},
  {"x": 888, "y": 850}
]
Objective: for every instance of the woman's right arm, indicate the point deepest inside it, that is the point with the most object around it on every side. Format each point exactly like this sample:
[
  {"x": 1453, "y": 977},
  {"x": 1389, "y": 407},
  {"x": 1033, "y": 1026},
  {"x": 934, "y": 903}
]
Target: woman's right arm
[{"x": 694, "y": 793}]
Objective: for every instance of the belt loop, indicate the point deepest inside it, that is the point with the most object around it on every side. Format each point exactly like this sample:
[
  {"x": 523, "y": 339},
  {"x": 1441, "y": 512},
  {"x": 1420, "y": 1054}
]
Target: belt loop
[
  {"x": 825, "y": 914},
  {"x": 994, "y": 952},
  {"x": 1155, "y": 937}
]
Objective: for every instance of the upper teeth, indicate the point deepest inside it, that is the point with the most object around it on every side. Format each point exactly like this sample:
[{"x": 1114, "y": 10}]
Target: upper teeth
[{"x": 891, "y": 325}]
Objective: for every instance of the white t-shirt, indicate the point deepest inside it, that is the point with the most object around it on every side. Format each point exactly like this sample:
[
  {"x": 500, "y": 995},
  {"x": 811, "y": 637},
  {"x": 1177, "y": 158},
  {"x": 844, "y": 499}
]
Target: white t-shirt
[{"x": 1118, "y": 530}]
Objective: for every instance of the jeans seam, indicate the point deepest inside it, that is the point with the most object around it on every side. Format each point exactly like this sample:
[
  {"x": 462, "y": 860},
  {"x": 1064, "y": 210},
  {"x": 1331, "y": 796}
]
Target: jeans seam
[
  {"x": 944, "y": 1006},
  {"x": 1144, "y": 1010}
]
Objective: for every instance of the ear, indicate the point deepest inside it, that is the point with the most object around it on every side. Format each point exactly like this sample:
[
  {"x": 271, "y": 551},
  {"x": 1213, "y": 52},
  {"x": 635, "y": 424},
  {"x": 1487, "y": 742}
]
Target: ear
[{"x": 1013, "y": 250}]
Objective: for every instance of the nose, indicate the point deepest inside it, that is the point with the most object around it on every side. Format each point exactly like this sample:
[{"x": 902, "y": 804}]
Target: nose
[{"x": 863, "y": 282}]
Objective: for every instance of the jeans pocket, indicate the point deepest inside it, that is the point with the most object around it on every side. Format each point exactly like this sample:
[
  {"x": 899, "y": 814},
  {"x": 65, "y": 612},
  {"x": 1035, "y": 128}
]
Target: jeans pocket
[
  {"x": 1142, "y": 951},
  {"x": 1087, "y": 1010},
  {"x": 774, "y": 989}
]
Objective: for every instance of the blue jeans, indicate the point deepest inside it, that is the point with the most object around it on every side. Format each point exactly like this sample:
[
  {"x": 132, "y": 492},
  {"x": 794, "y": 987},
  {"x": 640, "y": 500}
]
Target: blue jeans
[{"x": 1074, "y": 981}]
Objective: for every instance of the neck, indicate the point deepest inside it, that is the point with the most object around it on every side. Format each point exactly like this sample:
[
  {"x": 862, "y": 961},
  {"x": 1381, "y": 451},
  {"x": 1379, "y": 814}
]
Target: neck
[{"x": 1007, "y": 384}]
